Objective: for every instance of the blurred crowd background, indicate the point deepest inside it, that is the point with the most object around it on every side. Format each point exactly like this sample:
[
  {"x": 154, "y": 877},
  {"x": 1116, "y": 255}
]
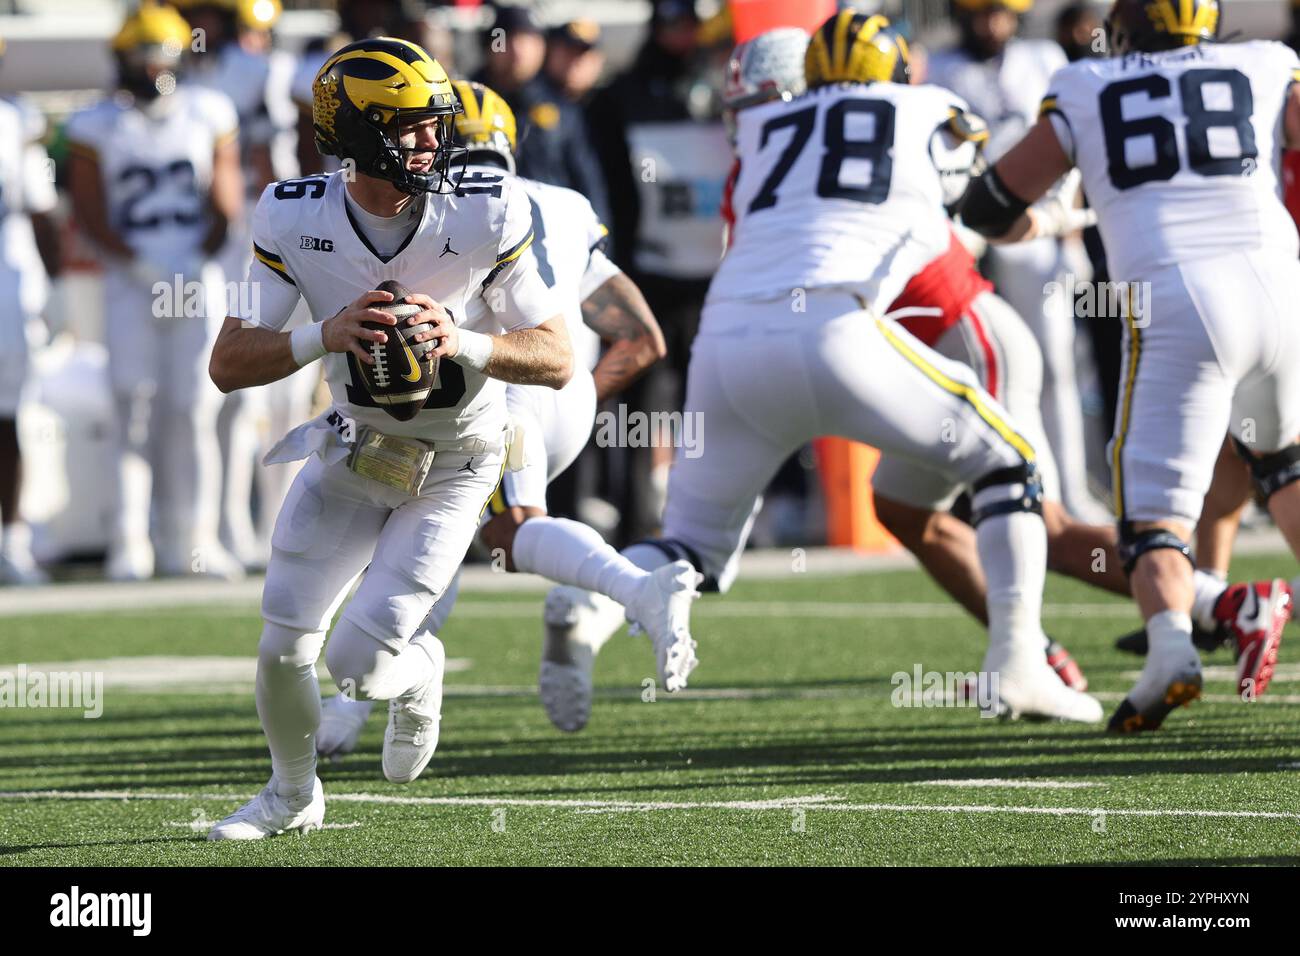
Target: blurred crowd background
[{"x": 603, "y": 89}]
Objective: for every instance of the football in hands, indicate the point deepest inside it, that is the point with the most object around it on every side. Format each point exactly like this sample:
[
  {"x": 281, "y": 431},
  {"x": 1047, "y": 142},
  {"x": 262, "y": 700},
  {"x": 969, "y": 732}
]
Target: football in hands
[{"x": 403, "y": 373}]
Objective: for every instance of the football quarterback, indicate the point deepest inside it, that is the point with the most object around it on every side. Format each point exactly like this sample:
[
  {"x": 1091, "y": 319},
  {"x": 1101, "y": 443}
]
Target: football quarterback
[
  {"x": 398, "y": 497},
  {"x": 1178, "y": 140},
  {"x": 599, "y": 301},
  {"x": 155, "y": 181},
  {"x": 838, "y": 202}
]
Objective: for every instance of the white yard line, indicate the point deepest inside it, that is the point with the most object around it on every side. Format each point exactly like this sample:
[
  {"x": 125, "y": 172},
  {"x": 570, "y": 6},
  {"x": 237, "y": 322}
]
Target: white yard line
[
  {"x": 812, "y": 802},
  {"x": 1000, "y": 783}
]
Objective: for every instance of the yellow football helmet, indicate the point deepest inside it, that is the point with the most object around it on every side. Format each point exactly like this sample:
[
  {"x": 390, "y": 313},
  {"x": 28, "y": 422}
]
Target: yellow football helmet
[
  {"x": 1153, "y": 25},
  {"x": 366, "y": 92},
  {"x": 975, "y": 6},
  {"x": 855, "y": 48},
  {"x": 487, "y": 123},
  {"x": 153, "y": 26},
  {"x": 148, "y": 49}
]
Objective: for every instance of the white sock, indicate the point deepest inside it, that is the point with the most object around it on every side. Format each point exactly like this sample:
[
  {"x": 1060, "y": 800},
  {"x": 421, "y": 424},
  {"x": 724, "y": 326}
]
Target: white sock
[
  {"x": 569, "y": 552},
  {"x": 1013, "y": 553},
  {"x": 288, "y": 704},
  {"x": 1209, "y": 587},
  {"x": 1169, "y": 632}
]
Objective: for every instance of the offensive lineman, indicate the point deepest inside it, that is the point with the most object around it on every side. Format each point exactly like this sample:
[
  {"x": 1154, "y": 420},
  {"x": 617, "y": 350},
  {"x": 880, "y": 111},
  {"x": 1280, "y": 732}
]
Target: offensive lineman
[
  {"x": 556, "y": 425},
  {"x": 1178, "y": 140},
  {"x": 155, "y": 181},
  {"x": 789, "y": 347},
  {"x": 950, "y": 307}
]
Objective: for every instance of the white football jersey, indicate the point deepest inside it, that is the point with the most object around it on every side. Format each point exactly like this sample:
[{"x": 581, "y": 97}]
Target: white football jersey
[
  {"x": 1004, "y": 90},
  {"x": 156, "y": 164},
  {"x": 26, "y": 187},
  {"x": 466, "y": 251},
  {"x": 837, "y": 188},
  {"x": 1179, "y": 150}
]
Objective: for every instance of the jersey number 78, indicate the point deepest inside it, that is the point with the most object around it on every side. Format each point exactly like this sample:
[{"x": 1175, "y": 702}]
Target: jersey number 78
[{"x": 836, "y": 148}]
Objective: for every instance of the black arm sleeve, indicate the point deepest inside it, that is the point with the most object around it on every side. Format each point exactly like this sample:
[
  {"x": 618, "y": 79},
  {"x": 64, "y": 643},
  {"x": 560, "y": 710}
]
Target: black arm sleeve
[{"x": 989, "y": 207}]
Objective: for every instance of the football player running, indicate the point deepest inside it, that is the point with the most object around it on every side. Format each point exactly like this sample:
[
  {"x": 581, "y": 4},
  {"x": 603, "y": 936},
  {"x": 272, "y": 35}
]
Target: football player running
[
  {"x": 556, "y": 426},
  {"x": 1178, "y": 139},
  {"x": 403, "y": 497},
  {"x": 155, "y": 182},
  {"x": 838, "y": 202}
]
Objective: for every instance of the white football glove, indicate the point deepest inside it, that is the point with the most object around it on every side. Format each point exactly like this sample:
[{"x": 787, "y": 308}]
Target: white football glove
[{"x": 1058, "y": 213}]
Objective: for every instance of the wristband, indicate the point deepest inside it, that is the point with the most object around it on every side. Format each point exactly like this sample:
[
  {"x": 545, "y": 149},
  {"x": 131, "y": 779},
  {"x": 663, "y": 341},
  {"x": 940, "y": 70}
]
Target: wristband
[
  {"x": 308, "y": 343},
  {"x": 474, "y": 350}
]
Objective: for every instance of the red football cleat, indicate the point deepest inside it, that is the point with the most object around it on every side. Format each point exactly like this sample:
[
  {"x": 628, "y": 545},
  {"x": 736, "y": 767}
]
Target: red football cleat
[
  {"x": 1060, "y": 661},
  {"x": 1255, "y": 615}
]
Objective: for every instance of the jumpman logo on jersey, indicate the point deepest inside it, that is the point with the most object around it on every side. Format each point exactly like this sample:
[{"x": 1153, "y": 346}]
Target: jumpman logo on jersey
[
  {"x": 447, "y": 248},
  {"x": 468, "y": 466}
]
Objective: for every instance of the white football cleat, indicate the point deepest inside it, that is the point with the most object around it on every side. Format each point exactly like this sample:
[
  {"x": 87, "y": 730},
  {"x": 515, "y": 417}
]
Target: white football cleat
[
  {"x": 269, "y": 814},
  {"x": 1168, "y": 680},
  {"x": 663, "y": 611},
  {"x": 412, "y": 734},
  {"x": 577, "y": 623},
  {"x": 341, "y": 722},
  {"x": 130, "y": 560},
  {"x": 1027, "y": 686},
  {"x": 19, "y": 569}
]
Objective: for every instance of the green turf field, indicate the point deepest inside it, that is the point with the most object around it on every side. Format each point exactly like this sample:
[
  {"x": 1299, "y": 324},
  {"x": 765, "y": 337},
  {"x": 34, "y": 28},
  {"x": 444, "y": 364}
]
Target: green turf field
[{"x": 786, "y": 750}]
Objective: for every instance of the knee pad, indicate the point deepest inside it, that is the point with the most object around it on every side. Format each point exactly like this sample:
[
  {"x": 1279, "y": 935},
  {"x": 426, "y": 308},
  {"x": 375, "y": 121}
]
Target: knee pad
[
  {"x": 1271, "y": 473},
  {"x": 1134, "y": 544},
  {"x": 290, "y": 646},
  {"x": 1007, "y": 491},
  {"x": 642, "y": 553}
]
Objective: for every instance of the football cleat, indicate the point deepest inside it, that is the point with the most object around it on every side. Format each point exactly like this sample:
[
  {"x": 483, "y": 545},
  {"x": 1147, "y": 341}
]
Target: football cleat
[
  {"x": 270, "y": 814},
  {"x": 577, "y": 623},
  {"x": 1254, "y": 615},
  {"x": 1028, "y": 687},
  {"x": 341, "y": 722},
  {"x": 1058, "y": 659},
  {"x": 20, "y": 570},
  {"x": 1065, "y": 666},
  {"x": 1167, "y": 681},
  {"x": 662, "y": 610},
  {"x": 413, "y": 720},
  {"x": 130, "y": 559}
]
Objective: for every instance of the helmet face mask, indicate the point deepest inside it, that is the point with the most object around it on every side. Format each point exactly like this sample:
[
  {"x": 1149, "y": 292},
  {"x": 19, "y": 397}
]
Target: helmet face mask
[
  {"x": 370, "y": 92},
  {"x": 148, "y": 49}
]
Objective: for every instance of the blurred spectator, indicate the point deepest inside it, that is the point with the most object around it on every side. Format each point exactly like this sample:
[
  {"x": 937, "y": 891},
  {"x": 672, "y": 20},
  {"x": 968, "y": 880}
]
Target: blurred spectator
[
  {"x": 666, "y": 159},
  {"x": 573, "y": 59},
  {"x": 554, "y": 146},
  {"x": 1079, "y": 31}
]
